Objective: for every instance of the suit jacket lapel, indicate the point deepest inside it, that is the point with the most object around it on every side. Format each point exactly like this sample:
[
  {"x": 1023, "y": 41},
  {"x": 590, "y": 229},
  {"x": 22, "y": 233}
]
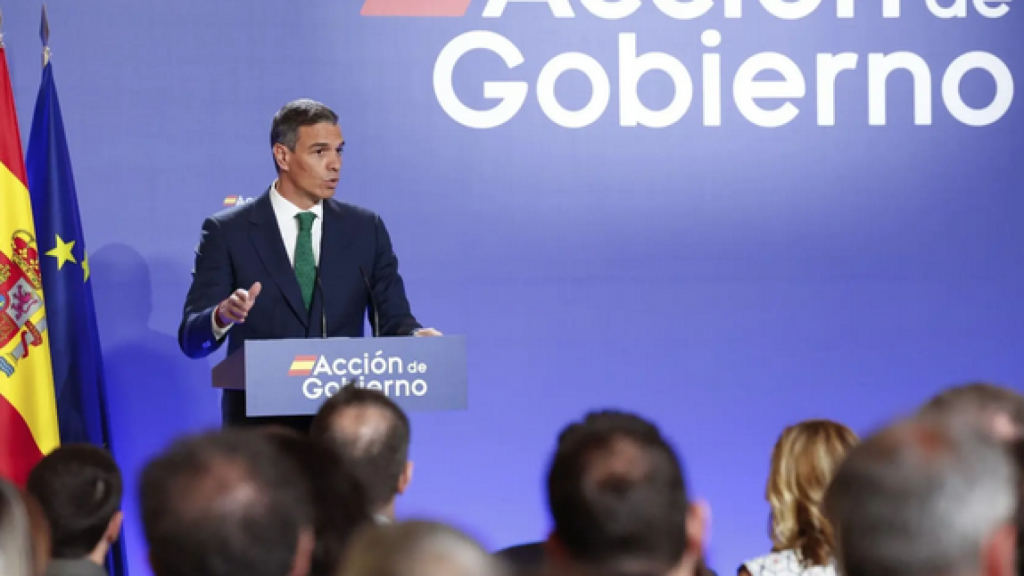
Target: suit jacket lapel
[
  {"x": 266, "y": 238},
  {"x": 336, "y": 261}
]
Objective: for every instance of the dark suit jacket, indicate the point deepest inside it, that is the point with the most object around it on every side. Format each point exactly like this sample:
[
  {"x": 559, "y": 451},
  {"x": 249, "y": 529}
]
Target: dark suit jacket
[
  {"x": 524, "y": 558},
  {"x": 529, "y": 559},
  {"x": 76, "y": 567},
  {"x": 243, "y": 245}
]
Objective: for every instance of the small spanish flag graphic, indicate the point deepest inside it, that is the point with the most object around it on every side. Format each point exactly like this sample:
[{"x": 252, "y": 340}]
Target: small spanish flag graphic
[
  {"x": 302, "y": 366},
  {"x": 231, "y": 200}
]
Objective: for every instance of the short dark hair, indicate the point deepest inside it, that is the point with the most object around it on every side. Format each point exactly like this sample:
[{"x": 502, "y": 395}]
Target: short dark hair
[
  {"x": 378, "y": 461},
  {"x": 223, "y": 503},
  {"x": 919, "y": 498},
  {"x": 341, "y": 504},
  {"x": 617, "y": 493},
  {"x": 975, "y": 398},
  {"x": 79, "y": 488},
  {"x": 284, "y": 129}
]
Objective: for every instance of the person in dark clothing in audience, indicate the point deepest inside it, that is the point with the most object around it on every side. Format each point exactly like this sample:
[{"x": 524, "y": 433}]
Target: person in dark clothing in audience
[
  {"x": 619, "y": 502},
  {"x": 925, "y": 497},
  {"x": 598, "y": 428},
  {"x": 528, "y": 557},
  {"x": 79, "y": 488},
  {"x": 340, "y": 504},
  {"x": 226, "y": 503},
  {"x": 371, "y": 435}
]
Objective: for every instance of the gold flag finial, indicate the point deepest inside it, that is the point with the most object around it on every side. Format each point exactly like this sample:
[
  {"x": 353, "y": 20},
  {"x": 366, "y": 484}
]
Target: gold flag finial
[{"x": 44, "y": 35}]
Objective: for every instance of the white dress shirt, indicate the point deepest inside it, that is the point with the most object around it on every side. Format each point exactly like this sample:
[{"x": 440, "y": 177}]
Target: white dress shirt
[{"x": 285, "y": 212}]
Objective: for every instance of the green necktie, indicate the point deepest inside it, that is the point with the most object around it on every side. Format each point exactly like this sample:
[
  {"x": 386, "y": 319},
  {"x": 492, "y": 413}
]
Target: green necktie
[{"x": 305, "y": 263}]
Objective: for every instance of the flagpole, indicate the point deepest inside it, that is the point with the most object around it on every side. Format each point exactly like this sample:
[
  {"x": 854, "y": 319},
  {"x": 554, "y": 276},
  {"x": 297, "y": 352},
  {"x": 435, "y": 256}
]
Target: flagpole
[
  {"x": 44, "y": 35},
  {"x": 1, "y": 28}
]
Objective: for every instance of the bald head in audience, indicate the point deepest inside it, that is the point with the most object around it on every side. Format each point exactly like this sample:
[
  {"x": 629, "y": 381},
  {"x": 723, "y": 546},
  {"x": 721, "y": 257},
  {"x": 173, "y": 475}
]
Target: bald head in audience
[
  {"x": 224, "y": 504},
  {"x": 418, "y": 549},
  {"x": 925, "y": 497},
  {"x": 998, "y": 408},
  {"x": 371, "y": 435}
]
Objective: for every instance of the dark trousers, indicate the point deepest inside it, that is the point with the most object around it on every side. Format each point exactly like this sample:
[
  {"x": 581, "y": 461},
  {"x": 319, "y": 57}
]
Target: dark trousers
[{"x": 232, "y": 406}]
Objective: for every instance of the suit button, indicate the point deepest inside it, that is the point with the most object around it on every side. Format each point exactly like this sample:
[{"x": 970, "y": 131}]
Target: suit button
[{"x": 206, "y": 344}]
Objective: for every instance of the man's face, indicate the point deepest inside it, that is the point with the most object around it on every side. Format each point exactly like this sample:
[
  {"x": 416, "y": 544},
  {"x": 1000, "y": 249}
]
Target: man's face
[{"x": 312, "y": 168}]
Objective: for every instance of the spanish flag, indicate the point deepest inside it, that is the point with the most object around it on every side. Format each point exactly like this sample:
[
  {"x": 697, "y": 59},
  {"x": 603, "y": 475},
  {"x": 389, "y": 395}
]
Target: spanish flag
[{"x": 28, "y": 410}]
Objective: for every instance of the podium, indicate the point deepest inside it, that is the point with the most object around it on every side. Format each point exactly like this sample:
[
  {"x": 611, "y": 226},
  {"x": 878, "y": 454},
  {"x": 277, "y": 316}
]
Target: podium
[{"x": 293, "y": 377}]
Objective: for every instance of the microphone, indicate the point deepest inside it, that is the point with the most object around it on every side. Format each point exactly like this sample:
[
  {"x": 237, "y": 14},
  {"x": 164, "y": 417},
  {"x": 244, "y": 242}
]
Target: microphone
[
  {"x": 323, "y": 305},
  {"x": 373, "y": 304}
]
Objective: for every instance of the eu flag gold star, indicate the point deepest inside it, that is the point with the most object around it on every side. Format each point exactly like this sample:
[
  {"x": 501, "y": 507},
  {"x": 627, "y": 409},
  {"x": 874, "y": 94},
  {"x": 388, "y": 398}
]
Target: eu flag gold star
[
  {"x": 62, "y": 252},
  {"x": 85, "y": 266}
]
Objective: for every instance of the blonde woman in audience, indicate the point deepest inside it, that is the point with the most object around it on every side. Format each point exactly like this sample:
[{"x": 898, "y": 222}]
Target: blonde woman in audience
[{"x": 803, "y": 462}]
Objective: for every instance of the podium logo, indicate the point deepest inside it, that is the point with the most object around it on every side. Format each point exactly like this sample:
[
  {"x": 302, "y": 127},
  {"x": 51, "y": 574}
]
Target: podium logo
[
  {"x": 302, "y": 366},
  {"x": 420, "y": 8},
  {"x": 393, "y": 376}
]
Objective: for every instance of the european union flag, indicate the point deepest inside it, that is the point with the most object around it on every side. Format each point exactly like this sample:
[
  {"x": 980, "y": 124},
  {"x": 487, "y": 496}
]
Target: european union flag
[{"x": 64, "y": 263}]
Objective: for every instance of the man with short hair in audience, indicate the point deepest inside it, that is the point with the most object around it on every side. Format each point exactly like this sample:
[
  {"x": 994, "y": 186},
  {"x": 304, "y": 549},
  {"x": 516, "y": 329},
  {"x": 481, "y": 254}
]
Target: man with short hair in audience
[
  {"x": 925, "y": 497},
  {"x": 619, "y": 502},
  {"x": 226, "y": 504},
  {"x": 371, "y": 434},
  {"x": 998, "y": 408},
  {"x": 79, "y": 489}
]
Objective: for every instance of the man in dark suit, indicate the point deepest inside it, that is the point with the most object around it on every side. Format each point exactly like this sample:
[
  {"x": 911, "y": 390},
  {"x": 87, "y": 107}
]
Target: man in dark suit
[{"x": 294, "y": 263}]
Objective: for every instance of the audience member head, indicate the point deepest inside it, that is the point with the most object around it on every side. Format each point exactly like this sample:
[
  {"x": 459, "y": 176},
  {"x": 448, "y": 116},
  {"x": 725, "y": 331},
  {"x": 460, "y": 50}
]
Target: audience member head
[
  {"x": 79, "y": 489},
  {"x": 619, "y": 501},
  {"x": 24, "y": 533},
  {"x": 223, "y": 504},
  {"x": 340, "y": 505},
  {"x": 417, "y": 549},
  {"x": 998, "y": 408},
  {"x": 925, "y": 497},
  {"x": 803, "y": 462},
  {"x": 371, "y": 434},
  {"x": 15, "y": 533}
]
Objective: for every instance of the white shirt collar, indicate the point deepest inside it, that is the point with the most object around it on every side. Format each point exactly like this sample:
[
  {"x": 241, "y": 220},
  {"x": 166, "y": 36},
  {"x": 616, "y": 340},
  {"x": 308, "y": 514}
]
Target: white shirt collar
[{"x": 285, "y": 209}]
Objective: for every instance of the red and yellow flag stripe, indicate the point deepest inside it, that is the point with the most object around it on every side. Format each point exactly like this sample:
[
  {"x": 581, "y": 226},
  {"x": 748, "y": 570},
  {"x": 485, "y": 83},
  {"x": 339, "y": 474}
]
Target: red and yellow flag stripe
[{"x": 28, "y": 410}]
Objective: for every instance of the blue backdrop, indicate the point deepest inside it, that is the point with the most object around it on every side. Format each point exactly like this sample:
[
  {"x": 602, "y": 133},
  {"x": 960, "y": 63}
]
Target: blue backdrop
[{"x": 725, "y": 280}]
